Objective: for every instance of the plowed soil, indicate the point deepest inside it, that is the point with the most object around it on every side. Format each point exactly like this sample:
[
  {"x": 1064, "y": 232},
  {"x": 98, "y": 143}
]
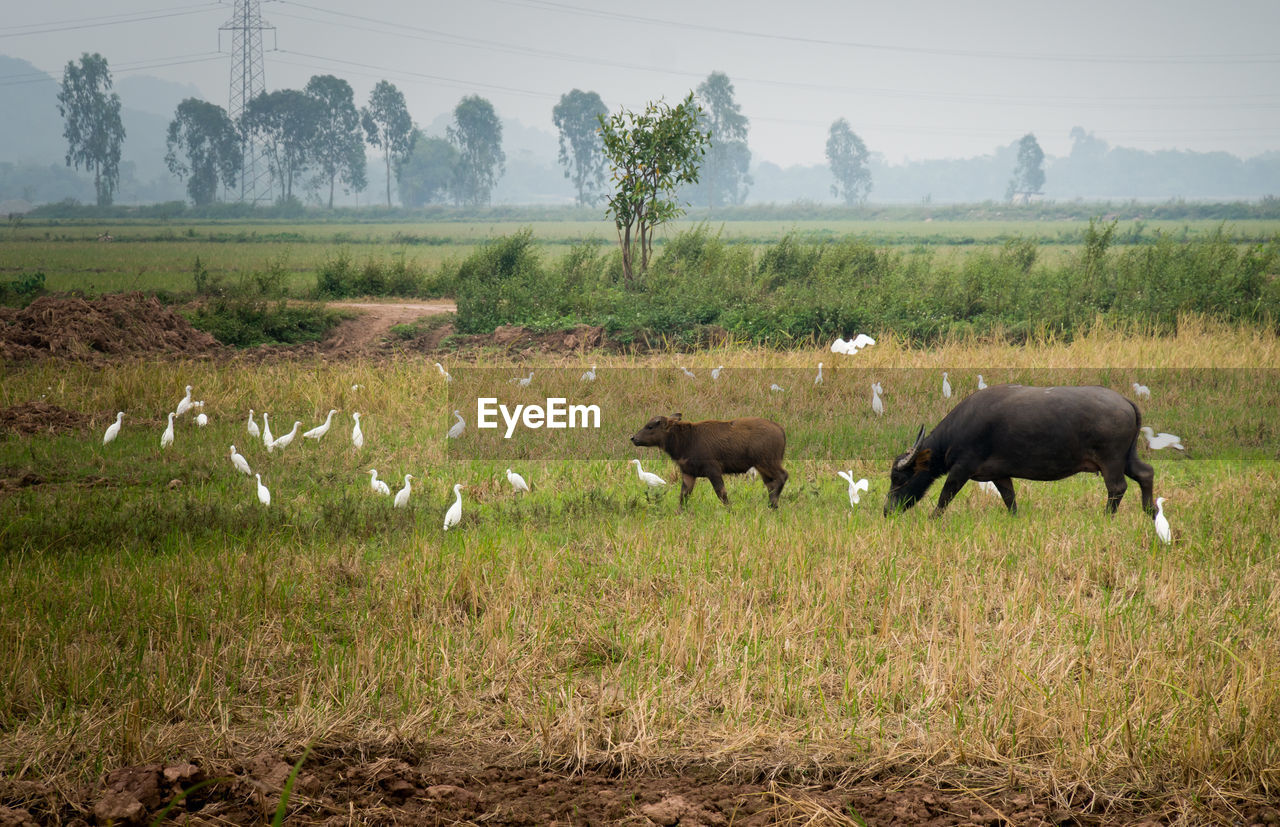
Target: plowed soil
[{"x": 125, "y": 324}]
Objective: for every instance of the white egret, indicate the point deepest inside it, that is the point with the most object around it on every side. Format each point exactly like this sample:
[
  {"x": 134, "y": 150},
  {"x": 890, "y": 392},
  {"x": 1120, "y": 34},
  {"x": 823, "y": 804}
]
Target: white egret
[
  {"x": 184, "y": 404},
  {"x": 1141, "y": 391},
  {"x": 715, "y": 374},
  {"x": 989, "y": 487},
  {"x": 650, "y": 479},
  {"x": 1162, "y": 522},
  {"x": 523, "y": 381},
  {"x": 690, "y": 374},
  {"x": 840, "y": 346},
  {"x": 877, "y": 404},
  {"x": 402, "y": 496},
  {"x": 113, "y": 430},
  {"x": 166, "y": 439},
  {"x": 456, "y": 429},
  {"x": 752, "y": 472},
  {"x": 321, "y": 429},
  {"x": 378, "y": 486},
  {"x": 267, "y": 439},
  {"x": 252, "y": 426},
  {"x": 855, "y": 486},
  {"x": 860, "y": 341},
  {"x": 946, "y": 386},
  {"x": 589, "y": 376},
  {"x": 817, "y": 380},
  {"x": 357, "y": 435},
  {"x": 264, "y": 496},
  {"x": 284, "y": 440},
  {"x": 201, "y": 419},
  {"x": 444, "y": 372},
  {"x": 238, "y": 460},
  {"x": 981, "y": 384},
  {"x": 1160, "y": 441},
  {"x": 517, "y": 481},
  {"x": 776, "y": 388},
  {"x": 454, "y": 515}
]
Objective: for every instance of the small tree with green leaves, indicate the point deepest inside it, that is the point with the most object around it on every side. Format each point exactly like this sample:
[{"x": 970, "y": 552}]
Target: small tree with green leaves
[
  {"x": 93, "y": 129},
  {"x": 203, "y": 147},
  {"x": 847, "y": 155},
  {"x": 477, "y": 133},
  {"x": 651, "y": 154},
  {"x": 387, "y": 126},
  {"x": 1028, "y": 175}
]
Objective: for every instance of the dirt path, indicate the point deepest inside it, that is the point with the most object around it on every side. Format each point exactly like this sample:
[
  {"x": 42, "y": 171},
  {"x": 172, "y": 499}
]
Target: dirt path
[{"x": 374, "y": 320}]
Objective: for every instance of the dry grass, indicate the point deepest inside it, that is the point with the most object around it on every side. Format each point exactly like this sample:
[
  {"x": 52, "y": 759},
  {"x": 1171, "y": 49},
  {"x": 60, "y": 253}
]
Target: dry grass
[{"x": 1058, "y": 651}]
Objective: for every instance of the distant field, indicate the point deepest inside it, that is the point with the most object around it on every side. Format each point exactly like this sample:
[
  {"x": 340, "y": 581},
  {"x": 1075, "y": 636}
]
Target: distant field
[{"x": 159, "y": 255}]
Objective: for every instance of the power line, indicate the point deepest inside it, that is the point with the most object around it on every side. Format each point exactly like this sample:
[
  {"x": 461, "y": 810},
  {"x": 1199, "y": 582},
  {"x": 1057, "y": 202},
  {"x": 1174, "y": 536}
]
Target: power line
[
  {"x": 97, "y": 22},
  {"x": 123, "y": 68}
]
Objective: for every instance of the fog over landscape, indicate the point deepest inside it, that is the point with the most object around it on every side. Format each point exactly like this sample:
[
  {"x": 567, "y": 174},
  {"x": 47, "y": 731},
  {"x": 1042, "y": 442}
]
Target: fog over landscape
[{"x": 1144, "y": 100}]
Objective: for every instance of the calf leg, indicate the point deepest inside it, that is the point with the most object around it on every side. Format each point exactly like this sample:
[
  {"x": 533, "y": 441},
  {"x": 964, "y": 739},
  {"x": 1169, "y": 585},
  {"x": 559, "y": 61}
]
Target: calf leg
[
  {"x": 686, "y": 487},
  {"x": 1005, "y": 487},
  {"x": 773, "y": 478},
  {"x": 717, "y": 482},
  {"x": 1143, "y": 474}
]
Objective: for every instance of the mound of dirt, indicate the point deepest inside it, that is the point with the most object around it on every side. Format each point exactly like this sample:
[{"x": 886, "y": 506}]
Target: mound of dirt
[
  {"x": 41, "y": 418},
  {"x": 124, "y": 324}
]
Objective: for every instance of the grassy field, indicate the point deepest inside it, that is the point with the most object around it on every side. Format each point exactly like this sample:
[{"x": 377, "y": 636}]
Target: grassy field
[
  {"x": 1059, "y": 651},
  {"x": 152, "y": 255}
]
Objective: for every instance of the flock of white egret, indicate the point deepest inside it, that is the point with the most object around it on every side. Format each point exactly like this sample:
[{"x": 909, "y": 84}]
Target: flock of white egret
[{"x": 651, "y": 481}]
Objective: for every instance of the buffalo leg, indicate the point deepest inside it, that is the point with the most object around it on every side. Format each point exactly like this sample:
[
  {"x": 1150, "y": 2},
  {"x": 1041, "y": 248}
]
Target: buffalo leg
[
  {"x": 773, "y": 479},
  {"x": 717, "y": 482},
  {"x": 1005, "y": 487},
  {"x": 955, "y": 481},
  {"x": 686, "y": 487},
  {"x": 1143, "y": 474},
  {"x": 1113, "y": 478}
]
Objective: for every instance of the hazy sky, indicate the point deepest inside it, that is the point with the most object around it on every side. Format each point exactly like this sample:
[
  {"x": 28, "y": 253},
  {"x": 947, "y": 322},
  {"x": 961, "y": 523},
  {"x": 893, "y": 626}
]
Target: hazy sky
[{"x": 915, "y": 78}]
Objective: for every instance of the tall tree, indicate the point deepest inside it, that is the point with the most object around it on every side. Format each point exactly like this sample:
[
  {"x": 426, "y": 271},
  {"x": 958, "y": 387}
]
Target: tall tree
[
  {"x": 477, "y": 133},
  {"x": 339, "y": 142},
  {"x": 203, "y": 147},
  {"x": 577, "y": 116},
  {"x": 724, "y": 173},
  {"x": 1028, "y": 175},
  {"x": 427, "y": 172},
  {"x": 651, "y": 154},
  {"x": 848, "y": 156},
  {"x": 93, "y": 129},
  {"x": 387, "y": 125},
  {"x": 285, "y": 121}
]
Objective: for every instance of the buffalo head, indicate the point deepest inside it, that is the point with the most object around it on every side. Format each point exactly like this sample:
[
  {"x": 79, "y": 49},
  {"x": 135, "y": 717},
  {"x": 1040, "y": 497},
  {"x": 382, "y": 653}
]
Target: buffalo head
[
  {"x": 909, "y": 476},
  {"x": 654, "y": 432}
]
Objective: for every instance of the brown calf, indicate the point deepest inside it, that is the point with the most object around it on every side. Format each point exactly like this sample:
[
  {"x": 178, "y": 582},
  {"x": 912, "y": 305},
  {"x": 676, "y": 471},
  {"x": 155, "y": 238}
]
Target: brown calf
[{"x": 713, "y": 448}]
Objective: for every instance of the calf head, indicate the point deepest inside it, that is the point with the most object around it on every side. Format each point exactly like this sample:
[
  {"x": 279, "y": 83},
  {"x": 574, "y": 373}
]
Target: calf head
[
  {"x": 909, "y": 476},
  {"x": 654, "y": 432}
]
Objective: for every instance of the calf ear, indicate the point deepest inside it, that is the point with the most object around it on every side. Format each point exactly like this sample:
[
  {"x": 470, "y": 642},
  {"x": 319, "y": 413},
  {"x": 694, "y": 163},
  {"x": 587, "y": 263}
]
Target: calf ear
[{"x": 675, "y": 417}]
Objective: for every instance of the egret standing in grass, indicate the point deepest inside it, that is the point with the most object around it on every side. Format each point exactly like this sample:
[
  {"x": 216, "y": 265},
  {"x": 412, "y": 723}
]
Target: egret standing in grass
[
  {"x": 523, "y": 381},
  {"x": 113, "y": 430},
  {"x": 252, "y": 426},
  {"x": 456, "y": 429},
  {"x": 357, "y": 435},
  {"x": 238, "y": 460},
  {"x": 854, "y": 486},
  {"x": 981, "y": 384},
  {"x": 690, "y": 374},
  {"x": 454, "y": 515},
  {"x": 817, "y": 380},
  {"x": 946, "y": 386},
  {"x": 517, "y": 481},
  {"x": 201, "y": 419},
  {"x": 1162, "y": 522},
  {"x": 444, "y": 372},
  {"x": 648, "y": 478},
  {"x": 284, "y": 440},
  {"x": 1141, "y": 391},
  {"x": 184, "y": 404},
  {"x": 877, "y": 404},
  {"x": 264, "y": 496},
  {"x": 402, "y": 496},
  {"x": 776, "y": 388},
  {"x": 715, "y": 374},
  {"x": 321, "y": 429},
  {"x": 267, "y": 439},
  {"x": 378, "y": 486},
  {"x": 166, "y": 439},
  {"x": 589, "y": 376},
  {"x": 1160, "y": 441}
]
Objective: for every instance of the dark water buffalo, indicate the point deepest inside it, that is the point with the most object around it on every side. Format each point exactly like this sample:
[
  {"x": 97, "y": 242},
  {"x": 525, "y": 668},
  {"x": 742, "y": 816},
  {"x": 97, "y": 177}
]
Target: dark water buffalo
[
  {"x": 714, "y": 448},
  {"x": 1008, "y": 431}
]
